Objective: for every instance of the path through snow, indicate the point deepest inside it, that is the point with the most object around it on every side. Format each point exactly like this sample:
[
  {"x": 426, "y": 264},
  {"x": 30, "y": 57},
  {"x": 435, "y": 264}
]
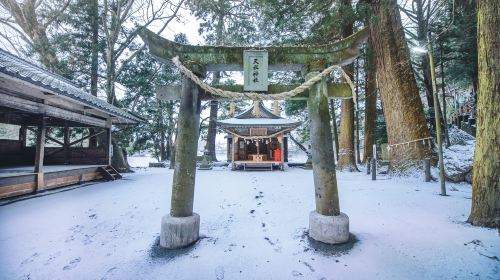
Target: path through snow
[{"x": 253, "y": 226}]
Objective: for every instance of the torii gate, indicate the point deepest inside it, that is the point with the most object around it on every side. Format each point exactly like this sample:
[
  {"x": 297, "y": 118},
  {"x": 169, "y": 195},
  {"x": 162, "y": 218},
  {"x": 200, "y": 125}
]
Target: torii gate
[{"x": 326, "y": 223}]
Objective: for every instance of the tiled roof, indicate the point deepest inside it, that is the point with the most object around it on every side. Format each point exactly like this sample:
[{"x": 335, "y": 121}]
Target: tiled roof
[
  {"x": 22, "y": 69},
  {"x": 264, "y": 119}
]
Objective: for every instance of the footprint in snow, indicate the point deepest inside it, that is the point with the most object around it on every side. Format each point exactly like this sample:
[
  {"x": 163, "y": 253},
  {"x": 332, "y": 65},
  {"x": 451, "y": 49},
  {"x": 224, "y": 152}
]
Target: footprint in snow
[
  {"x": 108, "y": 272},
  {"x": 30, "y": 259},
  {"x": 72, "y": 264},
  {"x": 295, "y": 273},
  {"x": 219, "y": 273}
]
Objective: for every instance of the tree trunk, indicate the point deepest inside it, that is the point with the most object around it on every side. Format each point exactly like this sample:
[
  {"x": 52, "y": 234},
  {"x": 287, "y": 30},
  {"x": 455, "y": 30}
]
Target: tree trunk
[
  {"x": 212, "y": 125},
  {"x": 485, "y": 184},
  {"x": 161, "y": 124},
  {"x": 214, "y": 104},
  {"x": 347, "y": 159},
  {"x": 119, "y": 159},
  {"x": 25, "y": 15},
  {"x": 335, "y": 130},
  {"x": 422, "y": 27},
  {"x": 443, "y": 90},
  {"x": 94, "y": 63},
  {"x": 356, "y": 114},
  {"x": 403, "y": 110},
  {"x": 370, "y": 103}
]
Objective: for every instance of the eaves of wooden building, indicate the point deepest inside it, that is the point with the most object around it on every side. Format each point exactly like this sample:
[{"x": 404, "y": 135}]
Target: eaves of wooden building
[{"x": 62, "y": 134}]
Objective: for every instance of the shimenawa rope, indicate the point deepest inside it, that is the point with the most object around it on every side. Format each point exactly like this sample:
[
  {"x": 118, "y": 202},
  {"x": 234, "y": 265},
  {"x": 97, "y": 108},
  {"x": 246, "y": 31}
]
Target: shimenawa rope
[{"x": 260, "y": 96}]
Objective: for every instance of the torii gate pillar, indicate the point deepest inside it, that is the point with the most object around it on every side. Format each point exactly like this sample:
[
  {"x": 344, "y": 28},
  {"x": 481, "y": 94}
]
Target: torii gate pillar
[
  {"x": 182, "y": 226},
  {"x": 326, "y": 223}
]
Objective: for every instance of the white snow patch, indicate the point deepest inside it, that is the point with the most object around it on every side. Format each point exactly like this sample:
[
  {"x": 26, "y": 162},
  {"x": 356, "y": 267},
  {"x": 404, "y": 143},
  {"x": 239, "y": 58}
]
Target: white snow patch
[{"x": 253, "y": 225}]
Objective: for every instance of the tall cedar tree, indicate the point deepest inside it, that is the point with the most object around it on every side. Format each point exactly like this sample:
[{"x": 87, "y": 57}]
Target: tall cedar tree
[
  {"x": 398, "y": 89},
  {"x": 485, "y": 181},
  {"x": 370, "y": 102},
  {"x": 347, "y": 158}
]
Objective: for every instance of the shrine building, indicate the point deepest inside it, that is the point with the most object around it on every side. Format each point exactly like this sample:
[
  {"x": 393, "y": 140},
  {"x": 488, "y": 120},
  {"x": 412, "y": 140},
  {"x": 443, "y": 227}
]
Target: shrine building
[{"x": 257, "y": 139}]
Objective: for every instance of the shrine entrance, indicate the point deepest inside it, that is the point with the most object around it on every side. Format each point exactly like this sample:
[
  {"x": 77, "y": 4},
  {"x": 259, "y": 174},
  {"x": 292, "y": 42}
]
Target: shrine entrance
[{"x": 316, "y": 63}]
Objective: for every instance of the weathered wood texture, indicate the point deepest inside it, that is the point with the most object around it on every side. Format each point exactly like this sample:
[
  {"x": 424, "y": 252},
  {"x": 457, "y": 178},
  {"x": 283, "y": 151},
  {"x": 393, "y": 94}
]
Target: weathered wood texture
[
  {"x": 323, "y": 160},
  {"x": 27, "y": 183},
  {"x": 12, "y": 154},
  {"x": 485, "y": 180},
  {"x": 48, "y": 110},
  {"x": 280, "y": 57},
  {"x": 185, "y": 157},
  {"x": 40, "y": 146},
  {"x": 399, "y": 93}
]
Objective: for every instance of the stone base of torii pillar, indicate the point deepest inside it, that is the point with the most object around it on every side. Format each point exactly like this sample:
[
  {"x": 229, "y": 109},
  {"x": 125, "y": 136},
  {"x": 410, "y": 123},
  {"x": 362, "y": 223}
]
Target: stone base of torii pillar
[
  {"x": 329, "y": 229},
  {"x": 178, "y": 232}
]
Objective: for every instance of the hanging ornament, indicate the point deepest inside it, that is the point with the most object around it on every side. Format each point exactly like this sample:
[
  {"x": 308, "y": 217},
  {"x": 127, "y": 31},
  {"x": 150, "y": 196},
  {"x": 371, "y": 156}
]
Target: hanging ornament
[
  {"x": 256, "y": 108},
  {"x": 276, "y": 108},
  {"x": 232, "y": 108}
]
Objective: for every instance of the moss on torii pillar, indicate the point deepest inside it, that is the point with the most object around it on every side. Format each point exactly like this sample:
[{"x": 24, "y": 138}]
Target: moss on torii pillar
[
  {"x": 181, "y": 227},
  {"x": 326, "y": 223}
]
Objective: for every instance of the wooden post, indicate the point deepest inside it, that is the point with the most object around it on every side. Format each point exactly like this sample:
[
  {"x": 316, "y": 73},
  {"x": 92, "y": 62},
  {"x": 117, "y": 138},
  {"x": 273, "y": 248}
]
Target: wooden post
[
  {"x": 185, "y": 154},
  {"x": 374, "y": 169},
  {"x": 235, "y": 142},
  {"x": 109, "y": 143},
  {"x": 281, "y": 140},
  {"x": 427, "y": 167},
  {"x": 66, "y": 143},
  {"x": 323, "y": 158},
  {"x": 22, "y": 138},
  {"x": 368, "y": 166},
  {"x": 39, "y": 154}
]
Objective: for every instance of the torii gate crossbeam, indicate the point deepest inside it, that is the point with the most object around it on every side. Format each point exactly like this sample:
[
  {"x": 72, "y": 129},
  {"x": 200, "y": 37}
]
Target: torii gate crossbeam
[{"x": 326, "y": 223}]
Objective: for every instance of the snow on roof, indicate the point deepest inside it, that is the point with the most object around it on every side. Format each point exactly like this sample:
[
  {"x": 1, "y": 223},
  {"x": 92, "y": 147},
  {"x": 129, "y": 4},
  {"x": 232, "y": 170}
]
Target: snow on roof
[
  {"x": 22, "y": 69},
  {"x": 259, "y": 122},
  {"x": 265, "y": 118}
]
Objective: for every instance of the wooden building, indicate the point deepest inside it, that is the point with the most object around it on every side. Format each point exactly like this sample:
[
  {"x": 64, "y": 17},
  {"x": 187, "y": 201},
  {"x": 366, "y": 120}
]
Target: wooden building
[
  {"x": 52, "y": 133},
  {"x": 257, "y": 139}
]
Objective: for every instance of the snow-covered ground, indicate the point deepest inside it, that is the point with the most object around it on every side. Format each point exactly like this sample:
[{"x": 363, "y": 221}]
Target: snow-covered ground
[{"x": 253, "y": 226}]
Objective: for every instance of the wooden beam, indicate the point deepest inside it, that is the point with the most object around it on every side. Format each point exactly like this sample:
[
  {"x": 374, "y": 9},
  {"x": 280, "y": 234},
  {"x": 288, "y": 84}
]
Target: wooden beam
[
  {"x": 281, "y": 58},
  {"x": 48, "y": 137},
  {"x": 40, "y": 153},
  {"x": 76, "y": 142},
  {"x": 171, "y": 93},
  {"x": 48, "y": 110}
]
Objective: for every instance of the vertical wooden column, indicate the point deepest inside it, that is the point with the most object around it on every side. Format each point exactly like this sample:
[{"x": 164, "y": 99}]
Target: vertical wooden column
[
  {"x": 39, "y": 153},
  {"x": 323, "y": 158},
  {"x": 229, "y": 148},
  {"x": 185, "y": 153},
  {"x": 281, "y": 140},
  {"x": 66, "y": 143},
  {"x": 235, "y": 143},
  {"x": 22, "y": 138},
  {"x": 109, "y": 144}
]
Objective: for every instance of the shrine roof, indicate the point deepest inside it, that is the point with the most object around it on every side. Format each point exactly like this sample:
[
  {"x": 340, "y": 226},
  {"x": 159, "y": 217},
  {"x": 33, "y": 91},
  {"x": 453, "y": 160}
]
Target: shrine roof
[
  {"x": 20, "y": 69},
  {"x": 265, "y": 118}
]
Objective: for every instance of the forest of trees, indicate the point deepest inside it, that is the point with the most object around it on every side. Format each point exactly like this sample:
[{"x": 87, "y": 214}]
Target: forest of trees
[{"x": 95, "y": 44}]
